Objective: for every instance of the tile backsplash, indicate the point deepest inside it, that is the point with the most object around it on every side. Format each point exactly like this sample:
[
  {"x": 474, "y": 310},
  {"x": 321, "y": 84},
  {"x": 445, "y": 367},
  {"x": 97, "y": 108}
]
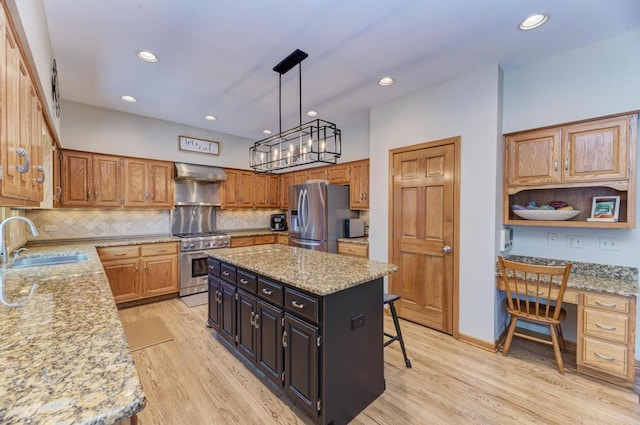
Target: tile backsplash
[
  {"x": 71, "y": 224},
  {"x": 244, "y": 219}
]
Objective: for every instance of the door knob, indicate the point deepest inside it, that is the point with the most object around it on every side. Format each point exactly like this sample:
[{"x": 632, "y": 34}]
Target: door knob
[{"x": 446, "y": 249}]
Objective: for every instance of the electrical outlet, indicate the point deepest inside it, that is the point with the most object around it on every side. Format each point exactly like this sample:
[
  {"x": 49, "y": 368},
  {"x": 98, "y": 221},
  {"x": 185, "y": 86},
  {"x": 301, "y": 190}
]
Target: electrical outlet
[
  {"x": 575, "y": 241},
  {"x": 50, "y": 228},
  {"x": 608, "y": 244},
  {"x": 552, "y": 239}
]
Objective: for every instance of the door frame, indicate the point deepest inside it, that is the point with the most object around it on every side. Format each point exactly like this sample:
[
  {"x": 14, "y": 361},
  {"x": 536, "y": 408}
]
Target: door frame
[{"x": 456, "y": 143}]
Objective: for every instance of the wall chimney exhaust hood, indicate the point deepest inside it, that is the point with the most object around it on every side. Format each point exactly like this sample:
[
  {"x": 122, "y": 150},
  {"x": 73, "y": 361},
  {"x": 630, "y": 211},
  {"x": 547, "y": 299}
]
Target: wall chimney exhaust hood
[{"x": 202, "y": 173}]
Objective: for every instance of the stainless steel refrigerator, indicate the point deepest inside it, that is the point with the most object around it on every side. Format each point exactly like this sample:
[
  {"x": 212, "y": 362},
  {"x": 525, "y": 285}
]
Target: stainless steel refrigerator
[{"x": 316, "y": 215}]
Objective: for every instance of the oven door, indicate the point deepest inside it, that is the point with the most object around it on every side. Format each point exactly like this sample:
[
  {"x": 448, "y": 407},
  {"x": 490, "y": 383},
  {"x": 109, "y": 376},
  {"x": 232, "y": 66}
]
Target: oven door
[{"x": 193, "y": 272}]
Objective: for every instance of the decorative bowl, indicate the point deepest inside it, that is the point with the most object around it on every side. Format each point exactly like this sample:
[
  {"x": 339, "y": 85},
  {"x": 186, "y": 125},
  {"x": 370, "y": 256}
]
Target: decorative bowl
[{"x": 546, "y": 215}]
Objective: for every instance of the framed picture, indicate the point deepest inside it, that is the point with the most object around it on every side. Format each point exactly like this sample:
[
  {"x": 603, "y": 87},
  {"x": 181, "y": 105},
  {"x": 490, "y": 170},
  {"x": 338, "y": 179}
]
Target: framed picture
[
  {"x": 198, "y": 145},
  {"x": 605, "y": 208}
]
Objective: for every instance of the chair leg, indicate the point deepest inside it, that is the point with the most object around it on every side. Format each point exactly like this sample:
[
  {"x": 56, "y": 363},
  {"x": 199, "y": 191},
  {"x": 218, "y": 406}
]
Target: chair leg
[
  {"x": 512, "y": 329},
  {"x": 556, "y": 348},
  {"x": 561, "y": 338},
  {"x": 396, "y": 323}
]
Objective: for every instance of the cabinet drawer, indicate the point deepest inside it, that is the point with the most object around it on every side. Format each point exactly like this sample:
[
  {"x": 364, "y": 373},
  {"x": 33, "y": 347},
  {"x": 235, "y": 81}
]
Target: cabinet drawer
[
  {"x": 355, "y": 250},
  {"x": 159, "y": 249},
  {"x": 237, "y": 242},
  {"x": 213, "y": 267},
  {"x": 283, "y": 239},
  {"x": 607, "y": 302},
  {"x": 605, "y": 356},
  {"x": 228, "y": 273},
  {"x": 301, "y": 304},
  {"x": 119, "y": 252},
  {"x": 606, "y": 325},
  {"x": 267, "y": 239},
  {"x": 246, "y": 281},
  {"x": 270, "y": 291}
]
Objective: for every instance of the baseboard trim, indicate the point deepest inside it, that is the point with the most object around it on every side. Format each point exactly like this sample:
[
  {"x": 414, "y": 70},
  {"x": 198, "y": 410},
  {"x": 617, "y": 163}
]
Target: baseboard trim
[{"x": 476, "y": 342}]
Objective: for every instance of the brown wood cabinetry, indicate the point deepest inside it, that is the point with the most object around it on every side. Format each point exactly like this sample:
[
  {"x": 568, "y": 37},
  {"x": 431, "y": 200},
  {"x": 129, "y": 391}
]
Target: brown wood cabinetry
[
  {"x": 236, "y": 191},
  {"x": 573, "y": 163},
  {"x": 22, "y": 169},
  {"x": 319, "y": 173},
  {"x": 141, "y": 271},
  {"x": 266, "y": 191},
  {"x": 359, "y": 185},
  {"x": 252, "y": 240},
  {"x": 353, "y": 249},
  {"x": 606, "y": 337},
  {"x": 338, "y": 174},
  {"x": 300, "y": 177},
  {"x": 106, "y": 181},
  {"x": 287, "y": 180},
  {"x": 282, "y": 239}
]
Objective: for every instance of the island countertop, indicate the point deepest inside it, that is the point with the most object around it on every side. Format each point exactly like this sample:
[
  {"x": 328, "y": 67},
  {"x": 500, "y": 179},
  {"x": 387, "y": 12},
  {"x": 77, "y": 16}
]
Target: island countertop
[
  {"x": 316, "y": 272},
  {"x": 64, "y": 358}
]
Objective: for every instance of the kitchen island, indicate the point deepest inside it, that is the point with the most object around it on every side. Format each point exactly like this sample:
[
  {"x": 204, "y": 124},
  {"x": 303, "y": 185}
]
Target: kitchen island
[{"x": 310, "y": 321}]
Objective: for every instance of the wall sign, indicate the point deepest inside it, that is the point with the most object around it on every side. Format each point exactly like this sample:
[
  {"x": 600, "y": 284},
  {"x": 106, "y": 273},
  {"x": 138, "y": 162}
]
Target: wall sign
[{"x": 198, "y": 145}]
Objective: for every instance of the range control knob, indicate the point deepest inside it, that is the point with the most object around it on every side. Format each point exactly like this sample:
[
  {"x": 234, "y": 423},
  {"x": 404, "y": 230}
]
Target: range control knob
[
  {"x": 205, "y": 244},
  {"x": 192, "y": 245},
  {"x": 185, "y": 246}
]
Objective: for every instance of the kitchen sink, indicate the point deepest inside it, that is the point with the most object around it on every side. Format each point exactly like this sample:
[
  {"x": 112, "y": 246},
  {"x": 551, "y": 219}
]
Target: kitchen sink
[{"x": 50, "y": 260}]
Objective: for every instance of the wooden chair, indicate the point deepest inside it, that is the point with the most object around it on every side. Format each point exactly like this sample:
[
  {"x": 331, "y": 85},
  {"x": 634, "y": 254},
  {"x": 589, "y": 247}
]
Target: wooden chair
[{"x": 534, "y": 295}]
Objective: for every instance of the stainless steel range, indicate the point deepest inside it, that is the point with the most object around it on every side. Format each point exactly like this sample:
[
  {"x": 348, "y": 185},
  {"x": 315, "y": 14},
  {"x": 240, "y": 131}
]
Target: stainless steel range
[
  {"x": 193, "y": 259},
  {"x": 193, "y": 220}
]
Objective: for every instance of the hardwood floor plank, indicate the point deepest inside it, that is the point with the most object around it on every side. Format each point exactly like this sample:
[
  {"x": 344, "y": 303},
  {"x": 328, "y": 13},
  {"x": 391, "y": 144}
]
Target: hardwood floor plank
[{"x": 194, "y": 379}]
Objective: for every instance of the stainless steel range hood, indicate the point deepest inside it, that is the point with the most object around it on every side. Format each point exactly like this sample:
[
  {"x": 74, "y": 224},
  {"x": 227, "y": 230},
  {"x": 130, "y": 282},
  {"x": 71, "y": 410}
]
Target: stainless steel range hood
[
  {"x": 201, "y": 173},
  {"x": 197, "y": 184}
]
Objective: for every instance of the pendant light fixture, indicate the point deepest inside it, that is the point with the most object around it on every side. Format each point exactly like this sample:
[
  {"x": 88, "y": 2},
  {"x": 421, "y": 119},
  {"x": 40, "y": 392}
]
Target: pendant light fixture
[{"x": 308, "y": 143}]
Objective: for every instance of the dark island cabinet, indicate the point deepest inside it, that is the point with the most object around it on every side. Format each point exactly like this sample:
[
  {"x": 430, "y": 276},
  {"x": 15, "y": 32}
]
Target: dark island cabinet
[{"x": 325, "y": 351}]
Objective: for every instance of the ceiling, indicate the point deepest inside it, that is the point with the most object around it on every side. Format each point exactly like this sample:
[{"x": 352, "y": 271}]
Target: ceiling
[{"x": 217, "y": 56}]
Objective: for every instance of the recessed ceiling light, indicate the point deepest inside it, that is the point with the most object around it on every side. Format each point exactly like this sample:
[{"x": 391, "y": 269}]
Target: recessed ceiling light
[
  {"x": 533, "y": 21},
  {"x": 312, "y": 114},
  {"x": 210, "y": 118},
  {"x": 266, "y": 131},
  {"x": 127, "y": 98},
  {"x": 386, "y": 81},
  {"x": 147, "y": 56}
]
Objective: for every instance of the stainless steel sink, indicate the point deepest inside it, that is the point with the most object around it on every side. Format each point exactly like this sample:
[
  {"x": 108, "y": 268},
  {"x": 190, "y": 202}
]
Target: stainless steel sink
[{"x": 50, "y": 260}]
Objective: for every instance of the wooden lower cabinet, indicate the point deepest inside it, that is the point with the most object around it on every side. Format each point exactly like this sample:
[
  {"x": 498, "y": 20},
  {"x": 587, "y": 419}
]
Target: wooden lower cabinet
[
  {"x": 282, "y": 239},
  {"x": 252, "y": 240},
  {"x": 325, "y": 351},
  {"x": 353, "y": 249},
  {"x": 141, "y": 271}
]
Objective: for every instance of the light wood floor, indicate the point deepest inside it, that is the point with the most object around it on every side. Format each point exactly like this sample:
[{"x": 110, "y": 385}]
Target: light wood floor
[{"x": 194, "y": 380}]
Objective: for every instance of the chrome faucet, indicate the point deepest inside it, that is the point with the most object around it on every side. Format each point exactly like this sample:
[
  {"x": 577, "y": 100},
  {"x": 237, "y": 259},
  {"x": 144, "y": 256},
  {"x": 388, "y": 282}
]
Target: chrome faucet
[{"x": 4, "y": 255}]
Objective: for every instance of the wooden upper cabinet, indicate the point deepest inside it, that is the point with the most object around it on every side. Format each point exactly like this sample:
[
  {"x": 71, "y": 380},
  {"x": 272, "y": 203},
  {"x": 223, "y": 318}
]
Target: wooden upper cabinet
[
  {"x": 300, "y": 177},
  {"x": 338, "y": 174},
  {"x": 237, "y": 190},
  {"x": 148, "y": 183},
  {"x": 359, "y": 185},
  {"x": 160, "y": 183},
  {"x": 135, "y": 186},
  {"x": 107, "y": 181},
  {"x": 286, "y": 181},
  {"x": 77, "y": 179},
  {"x": 319, "y": 173},
  {"x": 534, "y": 158},
  {"x": 597, "y": 151},
  {"x": 266, "y": 191}
]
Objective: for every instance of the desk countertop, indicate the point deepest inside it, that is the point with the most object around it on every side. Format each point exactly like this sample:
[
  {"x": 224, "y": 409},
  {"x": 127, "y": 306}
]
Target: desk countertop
[{"x": 603, "y": 278}]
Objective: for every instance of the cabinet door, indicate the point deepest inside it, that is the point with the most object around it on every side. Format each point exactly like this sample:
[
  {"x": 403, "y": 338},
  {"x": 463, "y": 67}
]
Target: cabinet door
[
  {"x": 287, "y": 180},
  {"x": 38, "y": 174},
  {"x": 214, "y": 302},
  {"x": 26, "y": 186},
  {"x": 260, "y": 191},
  {"x": 135, "y": 186},
  {"x": 160, "y": 275},
  {"x": 10, "y": 116},
  {"x": 237, "y": 189},
  {"x": 301, "y": 362},
  {"x": 534, "y": 158},
  {"x": 160, "y": 184},
  {"x": 247, "y": 306},
  {"x": 77, "y": 179},
  {"x": 338, "y": 174},
  {"x": 300, "y": 177},
  {"x": 319, "y": 173},
  {"x": 596, "y": 151},
  {"x": 107, "y": 181},
  {"x": 124, "y": 279},
  {"x": 359, "y": 185},
  {"x": 228, "y": 312},
  {"x": 268, "y": 324},
  {"x": 273, "y": 190}
]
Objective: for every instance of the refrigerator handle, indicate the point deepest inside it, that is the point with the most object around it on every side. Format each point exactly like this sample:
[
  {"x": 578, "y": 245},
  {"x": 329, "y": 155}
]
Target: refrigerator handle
[
  {"x": 299, "y": 206},
  {"x": 305, "y": 243}
]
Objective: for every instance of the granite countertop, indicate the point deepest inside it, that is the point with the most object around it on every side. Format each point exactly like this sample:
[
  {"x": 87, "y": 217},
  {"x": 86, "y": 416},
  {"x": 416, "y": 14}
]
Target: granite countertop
[
  {"x": 63, "y": 353},
  {"x": 316, "y": 272},
  {"x": 603, "y": 278},
  {"x": 364, "y": 240}
]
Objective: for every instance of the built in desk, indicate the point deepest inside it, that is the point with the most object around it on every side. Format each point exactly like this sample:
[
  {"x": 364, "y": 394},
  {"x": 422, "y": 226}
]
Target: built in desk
[{"x": 606, "y": 326}]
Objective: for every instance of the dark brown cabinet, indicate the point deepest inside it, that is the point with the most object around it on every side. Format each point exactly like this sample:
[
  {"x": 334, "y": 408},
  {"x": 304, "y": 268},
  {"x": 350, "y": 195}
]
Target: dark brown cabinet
[{"x": 325, "y": 351}]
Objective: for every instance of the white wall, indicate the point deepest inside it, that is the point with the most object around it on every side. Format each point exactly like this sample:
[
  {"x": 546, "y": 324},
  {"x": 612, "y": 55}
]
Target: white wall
[
  {"x": 600, "y": 79},
  {"x": 32, "y": 26},
  {"x": 94, "y": 129},
  {"x": 467, "y": 106}
]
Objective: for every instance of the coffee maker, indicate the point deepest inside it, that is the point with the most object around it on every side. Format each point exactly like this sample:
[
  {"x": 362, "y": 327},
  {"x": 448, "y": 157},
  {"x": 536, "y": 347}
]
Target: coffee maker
[{"x": 278, "y": 222}]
